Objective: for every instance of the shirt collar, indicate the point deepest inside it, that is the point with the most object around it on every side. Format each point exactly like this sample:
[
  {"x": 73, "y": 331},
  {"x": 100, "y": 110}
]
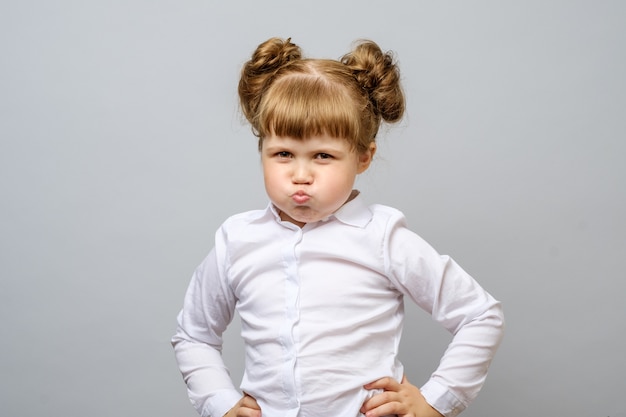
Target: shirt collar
[
  {"x": 354, "y": 213},
  {"x": 271, "y": 208}
]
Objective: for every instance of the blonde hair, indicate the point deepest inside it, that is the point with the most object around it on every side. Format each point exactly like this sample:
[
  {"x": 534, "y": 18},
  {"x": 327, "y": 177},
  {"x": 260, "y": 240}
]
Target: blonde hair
[{"x": 283, "y": 94}]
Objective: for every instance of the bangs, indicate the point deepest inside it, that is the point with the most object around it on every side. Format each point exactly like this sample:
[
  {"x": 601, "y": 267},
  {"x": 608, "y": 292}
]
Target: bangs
[{"x": 301, "y": 106}]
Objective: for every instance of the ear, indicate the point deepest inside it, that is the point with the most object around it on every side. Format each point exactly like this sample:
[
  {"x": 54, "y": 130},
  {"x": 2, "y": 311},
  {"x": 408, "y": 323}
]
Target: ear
[{"x": 365, "y": 157}]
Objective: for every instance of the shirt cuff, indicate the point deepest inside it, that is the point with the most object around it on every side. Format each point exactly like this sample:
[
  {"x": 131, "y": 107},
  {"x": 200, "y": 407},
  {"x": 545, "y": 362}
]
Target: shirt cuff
[
  {"x": 441, "y": 399},
  {"x": 220, "y": 403}
]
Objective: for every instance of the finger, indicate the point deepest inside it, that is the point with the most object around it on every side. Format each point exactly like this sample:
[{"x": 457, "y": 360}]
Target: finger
[
  {"x": 386, "y": 383},
  {"x": 248, "y": 412},
  {"x": 377, "y": 400},
  {"x": 249, "y": 402},
  {"x": 385, "y": 409}
]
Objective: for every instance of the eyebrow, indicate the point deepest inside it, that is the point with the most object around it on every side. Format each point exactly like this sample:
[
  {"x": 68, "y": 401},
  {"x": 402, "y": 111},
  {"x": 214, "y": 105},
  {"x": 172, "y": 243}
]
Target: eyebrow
[{"x": 275, "y": 148}]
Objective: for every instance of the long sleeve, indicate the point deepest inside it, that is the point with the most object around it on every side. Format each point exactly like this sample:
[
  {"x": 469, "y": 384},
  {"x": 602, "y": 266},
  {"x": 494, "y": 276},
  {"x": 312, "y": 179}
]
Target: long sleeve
[
  {"x": 456, "y": 301},
  {"x": 208, "y": 309}
]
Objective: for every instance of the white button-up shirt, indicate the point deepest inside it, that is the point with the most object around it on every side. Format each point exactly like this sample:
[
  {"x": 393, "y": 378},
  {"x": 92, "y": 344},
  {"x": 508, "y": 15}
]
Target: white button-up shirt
[{"x": 321, "y": 311}]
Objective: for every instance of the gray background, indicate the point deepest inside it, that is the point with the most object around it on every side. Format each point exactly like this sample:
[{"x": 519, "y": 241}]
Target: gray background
[{"x": 122, "y": 150}]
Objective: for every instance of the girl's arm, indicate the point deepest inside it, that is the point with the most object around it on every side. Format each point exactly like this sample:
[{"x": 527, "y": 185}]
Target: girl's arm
[
  {"x": 207, "y": 311},
  {"x": 455, "y": 300}
]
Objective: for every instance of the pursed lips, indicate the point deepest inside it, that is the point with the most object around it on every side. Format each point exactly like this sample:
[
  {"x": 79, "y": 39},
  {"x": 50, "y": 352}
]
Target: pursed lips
[{"x": 300, "y": 197}]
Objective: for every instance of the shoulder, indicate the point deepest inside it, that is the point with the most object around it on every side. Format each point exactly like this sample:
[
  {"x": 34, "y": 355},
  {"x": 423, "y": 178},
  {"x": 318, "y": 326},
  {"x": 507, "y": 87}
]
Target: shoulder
[
  {"x": 384, "y": 210},
  {"x": 393, "y": 224},
  {"x": 242, "y": 221},
  {"x": 384, "y": 223},
  {"x": 389, "y": 216},
  {"x": 254, "y": 226},
  {"x": 245, "y": 217}
]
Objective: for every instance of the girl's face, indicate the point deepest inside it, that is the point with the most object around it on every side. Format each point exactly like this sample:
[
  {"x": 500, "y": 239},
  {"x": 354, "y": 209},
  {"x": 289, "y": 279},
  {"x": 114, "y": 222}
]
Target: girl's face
[{"x": 309, "y": 179}]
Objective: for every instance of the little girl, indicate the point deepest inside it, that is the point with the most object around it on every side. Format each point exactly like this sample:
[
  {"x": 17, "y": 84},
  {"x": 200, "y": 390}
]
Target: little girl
[{"x": 319, "y": 277}]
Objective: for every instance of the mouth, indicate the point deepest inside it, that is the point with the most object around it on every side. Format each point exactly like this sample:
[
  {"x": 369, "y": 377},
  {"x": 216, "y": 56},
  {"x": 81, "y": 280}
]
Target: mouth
[{"x": 300, "y": 197}]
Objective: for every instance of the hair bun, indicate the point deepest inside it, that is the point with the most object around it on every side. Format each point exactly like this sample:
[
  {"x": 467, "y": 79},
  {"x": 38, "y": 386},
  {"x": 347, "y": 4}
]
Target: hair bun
[
  {"x": 257, "y": 73},
  {"x": 273, "y": 54},
  {"x": 378, "y": 74}
]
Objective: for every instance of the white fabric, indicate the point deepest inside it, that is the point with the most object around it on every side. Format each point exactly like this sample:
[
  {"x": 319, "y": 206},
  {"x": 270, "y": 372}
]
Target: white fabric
[{"x": 322, "y": 312}]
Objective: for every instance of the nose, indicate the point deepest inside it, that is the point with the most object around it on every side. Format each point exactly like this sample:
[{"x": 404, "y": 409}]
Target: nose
[{"x": 301, "y": 174}]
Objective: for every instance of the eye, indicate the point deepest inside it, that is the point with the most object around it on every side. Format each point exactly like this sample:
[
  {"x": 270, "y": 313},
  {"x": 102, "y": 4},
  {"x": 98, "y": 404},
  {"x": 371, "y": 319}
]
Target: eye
[
  {"x": 323, "y": 155},
  {"x": 283, "y": 154}
]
